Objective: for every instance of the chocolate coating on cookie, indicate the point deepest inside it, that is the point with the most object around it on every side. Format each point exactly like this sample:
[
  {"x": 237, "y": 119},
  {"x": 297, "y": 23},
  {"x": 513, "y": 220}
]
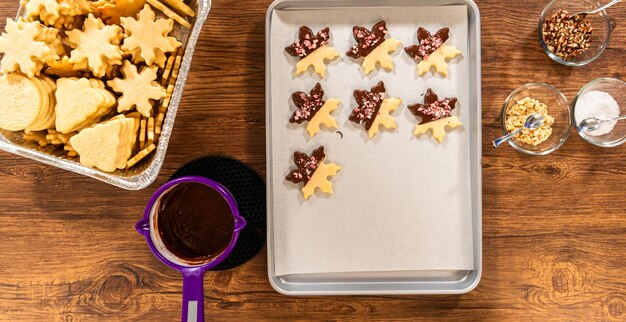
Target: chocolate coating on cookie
[
  {"x": 368, "y": 105},
  {"x": 367, "y": 40},
  {"x": 427, "y": 43},
  {"x": 306, "y": 165},
  {"x": 308, "y": 105},
  {"x": 308, "y": 42},
  {"x": 433, "y": 108}
]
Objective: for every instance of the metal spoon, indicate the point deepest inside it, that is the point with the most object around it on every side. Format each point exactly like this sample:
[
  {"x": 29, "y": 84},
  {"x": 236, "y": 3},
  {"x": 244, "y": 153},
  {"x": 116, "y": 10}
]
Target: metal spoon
[
  {"x": 590, "y": 12},
  {"x": 532, "y": 122},
  {"x": 592, "y": 123}
]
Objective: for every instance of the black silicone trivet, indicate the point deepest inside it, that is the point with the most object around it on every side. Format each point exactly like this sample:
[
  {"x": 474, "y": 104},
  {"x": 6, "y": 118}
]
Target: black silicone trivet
[{"x": 248, "y": 188}]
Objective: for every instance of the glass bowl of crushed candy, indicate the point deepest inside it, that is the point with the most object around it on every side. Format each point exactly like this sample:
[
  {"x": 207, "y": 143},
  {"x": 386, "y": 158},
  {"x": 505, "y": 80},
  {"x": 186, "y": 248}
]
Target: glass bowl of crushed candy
[
  {"x": 531, "y": 99},
  {"x": 604, "y": 99},
  {"x": 574, "y": 40}
]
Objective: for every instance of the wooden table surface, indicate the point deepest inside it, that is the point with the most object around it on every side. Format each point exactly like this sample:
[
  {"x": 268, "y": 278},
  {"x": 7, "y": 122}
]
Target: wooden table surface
[{"x": 68, "y": 250}]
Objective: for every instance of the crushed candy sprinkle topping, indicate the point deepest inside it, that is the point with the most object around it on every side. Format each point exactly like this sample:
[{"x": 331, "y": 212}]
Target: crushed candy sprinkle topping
[
  {"x": 308, "y": 105},
  {"x": 433, "y": 108},
  {"x": 306, "y": 165},
  {"x": 367, "y": 41},
  {"x": 427, "y": 43},
  {"x": 308, "y": 42},
  {"x": 368, "y": 105}
]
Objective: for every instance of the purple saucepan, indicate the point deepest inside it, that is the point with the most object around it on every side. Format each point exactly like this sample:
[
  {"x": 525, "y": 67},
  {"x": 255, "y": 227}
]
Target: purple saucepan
[{"x": 193, "y": 290}]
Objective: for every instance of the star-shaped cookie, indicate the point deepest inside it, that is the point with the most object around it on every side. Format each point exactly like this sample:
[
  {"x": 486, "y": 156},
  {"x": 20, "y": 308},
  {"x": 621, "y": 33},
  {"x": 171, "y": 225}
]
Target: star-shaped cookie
[
  {"x": 313, "y": 50},
  {"x": 373, "y": 46},
  {"x": 138, "y": 89},
  {"x": 22, "y": 51},
  {"x": 431, "y": 50},
  {"x": 147, "y": 38},
  {"x": 436, "y": 115},
  {"x": 374, "y": 109},
  {"x": 314, "y": 109},
  {"x": 313, "y": 172},
  {"x": 96, "y": 46}
]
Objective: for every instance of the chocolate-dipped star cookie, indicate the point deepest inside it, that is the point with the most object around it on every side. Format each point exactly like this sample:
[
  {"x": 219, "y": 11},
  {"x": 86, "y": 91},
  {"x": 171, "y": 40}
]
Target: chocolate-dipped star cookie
[
  {"x": 312, "y": 50},
  {"x": 431, "y": 50},
  {"x": 374, "y": 109},
  {"x": 314, "y": 109},
  {"x": 435, "y": 114},
  {"x": 313, "y": 172},
  {"x": 373, "y": 46}
]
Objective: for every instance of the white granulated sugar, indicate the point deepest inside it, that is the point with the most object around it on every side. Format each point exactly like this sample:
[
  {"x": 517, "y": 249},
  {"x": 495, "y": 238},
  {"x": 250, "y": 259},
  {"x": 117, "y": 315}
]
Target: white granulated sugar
[{"x": 600, "y": 105}]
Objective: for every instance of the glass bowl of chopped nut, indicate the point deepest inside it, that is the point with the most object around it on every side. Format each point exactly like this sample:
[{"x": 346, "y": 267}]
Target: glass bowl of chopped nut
[
  {"x": 574, "y": 40},
  {"x": 531, "y": 99},
  {"x": 603, "y": 99}
]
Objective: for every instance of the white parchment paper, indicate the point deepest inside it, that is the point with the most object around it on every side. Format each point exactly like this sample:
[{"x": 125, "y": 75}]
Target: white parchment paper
[{"x": 400, "y": 203}]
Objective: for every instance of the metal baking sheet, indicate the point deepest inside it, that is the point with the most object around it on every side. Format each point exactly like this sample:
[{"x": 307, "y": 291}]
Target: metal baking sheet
[
  {"x": 146, "y": 172},
  {"x": 407, "y": 282}
]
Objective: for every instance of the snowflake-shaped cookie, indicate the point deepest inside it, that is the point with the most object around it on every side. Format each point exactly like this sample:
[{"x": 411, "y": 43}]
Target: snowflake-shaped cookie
[
  {"x": 436, "y": 115},
  {"x": 46, "y": 10},
  {"x": 313, "y": 172},
  {"x": 373, "y": 46},
  {"x": 314, "y": 109},
  {"x": 137, "y": 89},
  {"x": 431, "y": 50},
  {"x": 374, "y": 109},
  {"x": 313, "y": 50},
  {"x": 96, "y": 46},
  {"x": 22, "y": 51},
  {"x": 147, "y": 38},
  {"x": 57, "y": 13}
]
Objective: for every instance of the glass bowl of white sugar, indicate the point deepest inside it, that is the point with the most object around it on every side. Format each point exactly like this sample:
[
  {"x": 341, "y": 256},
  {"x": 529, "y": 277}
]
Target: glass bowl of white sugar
[{"x": 604, "y": 99}]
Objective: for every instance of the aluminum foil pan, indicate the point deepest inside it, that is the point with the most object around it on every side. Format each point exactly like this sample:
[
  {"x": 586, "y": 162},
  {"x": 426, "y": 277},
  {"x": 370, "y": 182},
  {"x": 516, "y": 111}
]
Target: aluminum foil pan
[{"x": 147, "y": 171}]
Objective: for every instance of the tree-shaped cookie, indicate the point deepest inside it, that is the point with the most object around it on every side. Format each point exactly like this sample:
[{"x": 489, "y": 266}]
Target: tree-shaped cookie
[
  {"x": 314, "y": 109},
  {"x": 22, "y": 51},
  {"x": 313, "y": 50},
  {"x": 373, "y": 46},
  {"x": 436, "y": 115},
  {"x": 374, "y": 109},
  {"x": 431, "y": 50},
  {"x": 96, "y": 46},
  {"x": 313, "y": 172},
  {"x": 147, "y": 38},
  {"x": 81, "y": 102},
  {"x": 138, "y": 89},
  {"x": 108, "y": 145}
]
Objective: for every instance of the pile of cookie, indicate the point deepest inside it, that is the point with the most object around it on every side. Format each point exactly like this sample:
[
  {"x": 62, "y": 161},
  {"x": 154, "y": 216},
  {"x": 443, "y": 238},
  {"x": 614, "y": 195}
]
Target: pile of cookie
[
  {"x": 374, "y": 109},
  {"x": 92, "y": 78}
]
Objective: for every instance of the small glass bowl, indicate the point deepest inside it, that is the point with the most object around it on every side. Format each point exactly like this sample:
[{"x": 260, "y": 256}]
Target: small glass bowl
[
  {"x": 600, "y": 22},
  {"x": 617, "y": 89},
  {"x": 558, "y": 107}
]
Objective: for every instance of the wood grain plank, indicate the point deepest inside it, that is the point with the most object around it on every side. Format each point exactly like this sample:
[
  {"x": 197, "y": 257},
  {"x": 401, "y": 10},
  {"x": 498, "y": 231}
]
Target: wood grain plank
[{"x": 70, "y": 253}]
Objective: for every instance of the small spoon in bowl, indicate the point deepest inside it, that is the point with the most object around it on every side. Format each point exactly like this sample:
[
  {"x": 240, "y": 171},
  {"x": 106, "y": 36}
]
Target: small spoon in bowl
[
  {"x": 532, "y": 122},
  {"x": 590, "y": 12},
  {"x": 592, "y": 123}
]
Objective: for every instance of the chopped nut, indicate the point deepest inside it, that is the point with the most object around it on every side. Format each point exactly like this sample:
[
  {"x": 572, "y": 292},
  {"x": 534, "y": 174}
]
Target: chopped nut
[
  {"x": 567, "y": 36},
  {"x": 517, "y": 114}
]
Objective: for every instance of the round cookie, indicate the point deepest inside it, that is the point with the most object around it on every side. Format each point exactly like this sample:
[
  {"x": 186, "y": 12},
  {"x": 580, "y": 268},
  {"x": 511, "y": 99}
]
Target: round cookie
[{"x": 20, "y": 102}]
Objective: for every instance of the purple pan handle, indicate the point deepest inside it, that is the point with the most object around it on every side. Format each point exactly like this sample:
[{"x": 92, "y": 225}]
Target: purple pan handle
[{"x": 193, "y": 295}]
